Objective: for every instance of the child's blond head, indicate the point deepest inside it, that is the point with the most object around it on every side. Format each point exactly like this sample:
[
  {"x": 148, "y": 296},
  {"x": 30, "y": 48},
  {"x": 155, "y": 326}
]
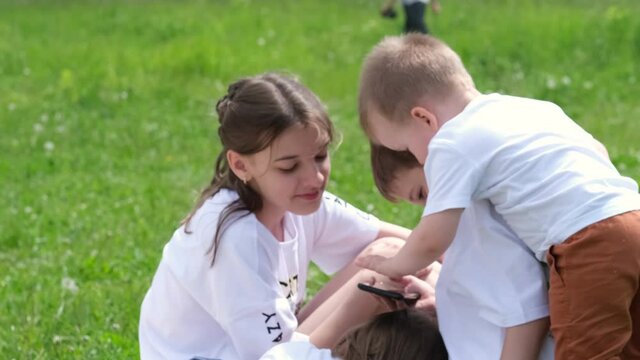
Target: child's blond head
[{"x": 402, "y": 70}]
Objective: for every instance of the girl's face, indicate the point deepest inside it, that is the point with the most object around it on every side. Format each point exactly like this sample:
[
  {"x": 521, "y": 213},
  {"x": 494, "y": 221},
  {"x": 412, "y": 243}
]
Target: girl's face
[
  {"x": 292, "y": 173},
  {"x": 410, "y": 185}
]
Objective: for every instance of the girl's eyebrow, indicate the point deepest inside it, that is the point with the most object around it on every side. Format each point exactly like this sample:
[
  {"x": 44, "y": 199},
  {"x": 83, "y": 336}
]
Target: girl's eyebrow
[
  {"x": 286, "y": 157},
  {"x": 292, "y": 157}
]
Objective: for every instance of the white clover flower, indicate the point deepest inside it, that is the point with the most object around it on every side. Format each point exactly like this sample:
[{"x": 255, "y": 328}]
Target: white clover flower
[
  {"x": 261, "y": 41},
  {"x": 566, "y": 80},
  {"x": 551, "y": 83},
  {"x": 49, "y": 146},
  {"x": 37, "y": 127},
  {"x": 69, "y": 284}
]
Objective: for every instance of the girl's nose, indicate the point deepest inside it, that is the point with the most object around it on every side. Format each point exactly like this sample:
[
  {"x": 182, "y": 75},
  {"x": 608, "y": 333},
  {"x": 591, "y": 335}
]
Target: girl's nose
[{"x": 316, "y": 175}]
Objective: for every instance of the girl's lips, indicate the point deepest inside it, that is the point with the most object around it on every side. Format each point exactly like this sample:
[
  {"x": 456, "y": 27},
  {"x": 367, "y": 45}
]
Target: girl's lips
[{"x": 310, "y": 195}]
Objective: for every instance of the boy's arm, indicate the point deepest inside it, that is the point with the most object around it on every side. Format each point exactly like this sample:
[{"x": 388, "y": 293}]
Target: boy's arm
[
  {"x": 523, "y": 342},
  {"x": 393, "y": 230},
  {"x": 427, "y": 242}
]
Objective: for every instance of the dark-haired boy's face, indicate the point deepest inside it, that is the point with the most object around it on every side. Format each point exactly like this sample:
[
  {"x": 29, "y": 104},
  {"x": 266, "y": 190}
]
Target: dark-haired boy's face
[{"x": 410, "y": 185}]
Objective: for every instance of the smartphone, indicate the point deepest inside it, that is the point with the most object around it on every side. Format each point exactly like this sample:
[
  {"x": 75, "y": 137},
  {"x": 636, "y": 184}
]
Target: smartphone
[{"x": 390, "y": 294}]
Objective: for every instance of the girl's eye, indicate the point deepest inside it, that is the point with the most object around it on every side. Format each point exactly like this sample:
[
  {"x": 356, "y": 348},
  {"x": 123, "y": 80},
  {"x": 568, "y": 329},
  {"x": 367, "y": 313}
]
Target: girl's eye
[
  {"x": 289, "y": 169},
  {"x": 321, "y": 157}
]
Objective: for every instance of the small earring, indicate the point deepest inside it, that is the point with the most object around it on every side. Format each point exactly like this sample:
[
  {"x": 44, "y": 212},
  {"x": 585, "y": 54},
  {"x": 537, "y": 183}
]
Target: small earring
[{"x": 244, "y": 181}]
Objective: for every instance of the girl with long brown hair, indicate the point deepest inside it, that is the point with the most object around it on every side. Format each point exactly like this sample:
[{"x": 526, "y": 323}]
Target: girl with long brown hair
[{"x": 233, "y": 277}]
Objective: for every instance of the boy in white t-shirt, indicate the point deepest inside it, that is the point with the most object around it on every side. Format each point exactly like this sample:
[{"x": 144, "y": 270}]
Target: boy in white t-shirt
[
  {"x": 490, "y": 281},
  {"x": 537, "y": 168}
]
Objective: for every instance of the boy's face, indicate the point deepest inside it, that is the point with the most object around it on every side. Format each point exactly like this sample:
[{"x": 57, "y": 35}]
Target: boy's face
[
  {"x": 410, "y": 185},
  {"x": 406, "y": 135}
]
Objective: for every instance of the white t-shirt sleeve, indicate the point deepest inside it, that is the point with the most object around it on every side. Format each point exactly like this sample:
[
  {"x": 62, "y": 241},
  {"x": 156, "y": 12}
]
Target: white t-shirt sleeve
[
  {"x": 451, "y": 176},
  {"x": 240, "y": 291},
  {"x": 340, "y": 232},
  {"x": 297, "y": 350}
]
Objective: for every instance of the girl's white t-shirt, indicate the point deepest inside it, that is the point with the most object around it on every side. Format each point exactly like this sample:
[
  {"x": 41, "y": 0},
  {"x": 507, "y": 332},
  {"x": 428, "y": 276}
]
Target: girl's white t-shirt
[
  {"x": 246, "y": 302},
  {"x": 297, "y": 350}
]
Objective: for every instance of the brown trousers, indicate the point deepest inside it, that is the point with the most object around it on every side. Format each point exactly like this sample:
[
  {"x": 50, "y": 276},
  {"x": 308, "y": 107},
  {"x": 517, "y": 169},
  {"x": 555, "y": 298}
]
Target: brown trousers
[{"x": 594, "y": 296}]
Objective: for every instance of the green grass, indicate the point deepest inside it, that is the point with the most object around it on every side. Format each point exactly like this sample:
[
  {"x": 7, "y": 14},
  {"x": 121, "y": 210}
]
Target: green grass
[{"x": 106, "y": 132}]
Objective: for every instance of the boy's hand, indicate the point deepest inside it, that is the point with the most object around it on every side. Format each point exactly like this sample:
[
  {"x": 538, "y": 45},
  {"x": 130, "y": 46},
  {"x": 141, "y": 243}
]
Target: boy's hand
[
  {"x": 427, "y": 301},
  {"x": 427, "y": 242},
  {"x": 410, "y": 285},
  {"x": 390, "y": 304},
  {"x": 373, "y": 262}
]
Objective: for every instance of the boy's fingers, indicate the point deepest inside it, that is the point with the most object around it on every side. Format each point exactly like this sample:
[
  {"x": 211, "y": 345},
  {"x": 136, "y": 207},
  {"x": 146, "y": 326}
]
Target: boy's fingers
[
  {"x": 423, "y": 273},
  {"x": 369, "y": 261}
]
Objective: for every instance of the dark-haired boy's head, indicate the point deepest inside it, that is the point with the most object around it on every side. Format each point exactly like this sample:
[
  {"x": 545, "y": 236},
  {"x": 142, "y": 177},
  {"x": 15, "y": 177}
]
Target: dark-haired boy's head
[{"x": 398, "y": 175}]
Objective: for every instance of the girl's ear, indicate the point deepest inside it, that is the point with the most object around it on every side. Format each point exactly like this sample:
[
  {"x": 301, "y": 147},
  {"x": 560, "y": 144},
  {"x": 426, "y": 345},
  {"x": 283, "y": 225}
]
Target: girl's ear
[
  {"x": 425, "y": 118},
  {"x": 239, "y": 164}
]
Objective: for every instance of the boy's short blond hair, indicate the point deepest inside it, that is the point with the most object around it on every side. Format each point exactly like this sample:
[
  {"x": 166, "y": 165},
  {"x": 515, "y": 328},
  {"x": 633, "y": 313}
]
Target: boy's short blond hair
[
  {"x": 385, "y": 164},
  {"x": 401, "y": 70}
]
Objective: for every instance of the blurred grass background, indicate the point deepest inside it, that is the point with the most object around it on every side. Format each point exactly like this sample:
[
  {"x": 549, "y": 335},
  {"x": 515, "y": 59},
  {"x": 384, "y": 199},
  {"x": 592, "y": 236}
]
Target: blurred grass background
[{"x": 107, "y": 132}]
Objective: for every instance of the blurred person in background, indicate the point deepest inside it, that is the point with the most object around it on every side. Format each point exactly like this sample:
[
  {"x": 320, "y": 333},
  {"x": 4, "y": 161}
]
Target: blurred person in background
[{"x": 414, "y": 11}]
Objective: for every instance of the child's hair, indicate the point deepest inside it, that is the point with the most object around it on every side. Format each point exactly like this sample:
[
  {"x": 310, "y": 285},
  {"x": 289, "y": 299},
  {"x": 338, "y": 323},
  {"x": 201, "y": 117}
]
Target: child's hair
[
  {"x": 385, "y": 164},
  {"x": 401, "y": 334},
  {"x": 253, "y": 113},
  {"x": 401, "y": 70}
]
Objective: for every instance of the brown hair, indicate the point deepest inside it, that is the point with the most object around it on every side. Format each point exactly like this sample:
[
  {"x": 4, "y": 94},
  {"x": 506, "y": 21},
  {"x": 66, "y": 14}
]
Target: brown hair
[
  {"x": 401, "y": 70},
  {"x": 253, "y": 113},
  {"x": 385, "y": 164},
  {"x": 401, "y": 334}
]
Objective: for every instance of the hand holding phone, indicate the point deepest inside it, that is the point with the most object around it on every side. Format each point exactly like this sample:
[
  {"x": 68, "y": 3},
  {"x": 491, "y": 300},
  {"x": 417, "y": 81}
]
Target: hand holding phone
[{"x": 409, "y": 299}]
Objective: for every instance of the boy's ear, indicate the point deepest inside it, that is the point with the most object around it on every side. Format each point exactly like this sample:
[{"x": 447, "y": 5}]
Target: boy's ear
[
  {"x": 239, "y": 165},
  {"x": 425, "y": 117}
]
